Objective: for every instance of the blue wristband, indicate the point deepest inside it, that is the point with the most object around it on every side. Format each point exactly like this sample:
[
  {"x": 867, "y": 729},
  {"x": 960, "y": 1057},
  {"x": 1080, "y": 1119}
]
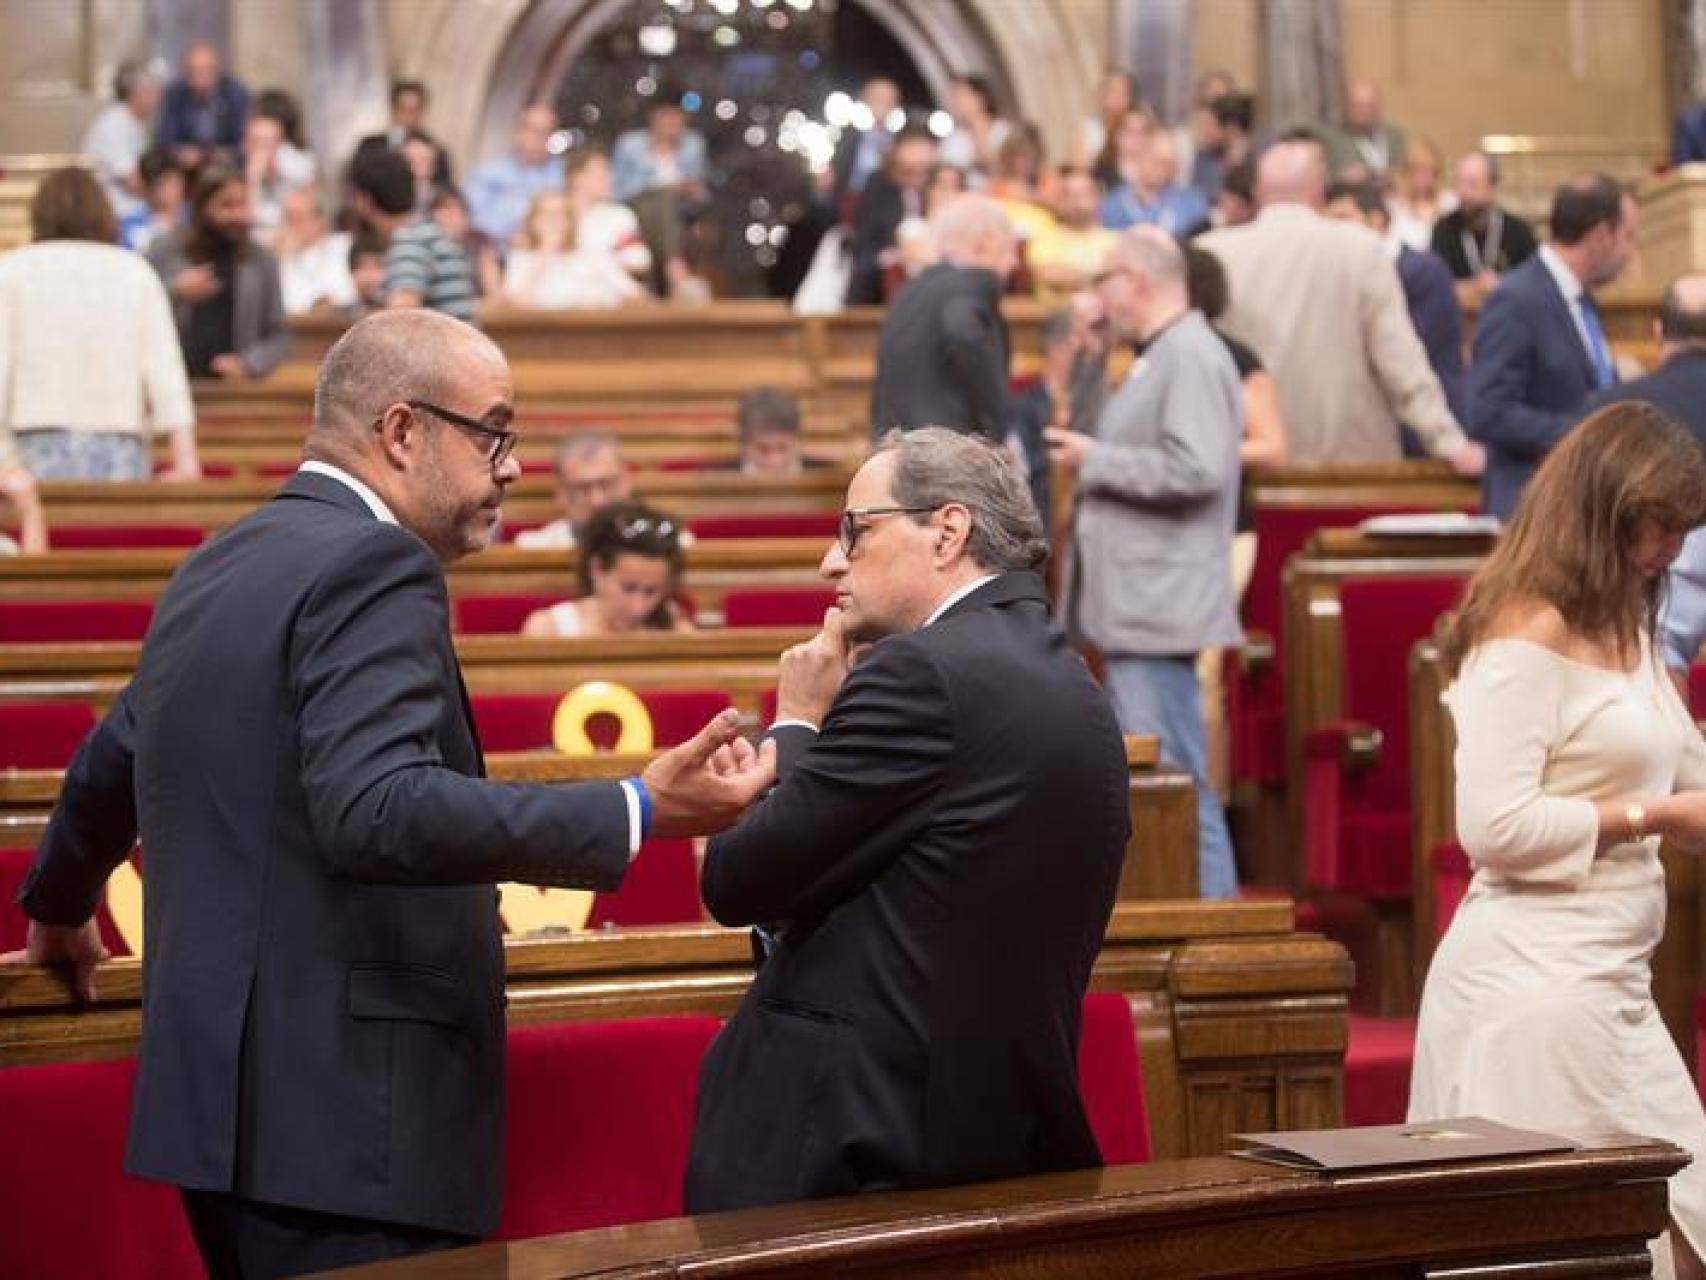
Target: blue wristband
[{"x": 645, "y": 798}]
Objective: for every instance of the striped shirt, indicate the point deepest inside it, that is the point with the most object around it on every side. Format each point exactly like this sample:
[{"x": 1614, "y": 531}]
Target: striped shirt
[{"x": 425, "y": 261}]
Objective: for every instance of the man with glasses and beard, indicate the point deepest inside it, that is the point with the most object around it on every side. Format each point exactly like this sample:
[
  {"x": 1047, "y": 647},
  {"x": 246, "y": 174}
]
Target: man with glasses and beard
[
  {"x": 934, "y": 870},
  {"x": 322, "y": 1059}
]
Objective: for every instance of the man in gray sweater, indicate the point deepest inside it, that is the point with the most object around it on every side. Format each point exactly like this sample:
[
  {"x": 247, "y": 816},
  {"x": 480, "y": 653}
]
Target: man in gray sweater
[{"x": 1150, "y": 581}]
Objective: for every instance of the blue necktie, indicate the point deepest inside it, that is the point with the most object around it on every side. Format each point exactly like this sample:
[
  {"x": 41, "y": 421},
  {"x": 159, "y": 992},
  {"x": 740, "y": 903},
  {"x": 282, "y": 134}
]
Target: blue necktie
[{"x": 1604, "y": 372}]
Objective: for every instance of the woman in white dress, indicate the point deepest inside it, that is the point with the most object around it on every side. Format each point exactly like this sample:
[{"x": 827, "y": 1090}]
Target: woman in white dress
[
  {"x": 630, "y": 567},
  {"x": 1575, "y": 756}
]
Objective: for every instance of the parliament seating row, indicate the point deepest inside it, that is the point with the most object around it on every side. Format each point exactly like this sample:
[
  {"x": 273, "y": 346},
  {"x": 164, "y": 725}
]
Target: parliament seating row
[{"x": 598, "y": 1119}]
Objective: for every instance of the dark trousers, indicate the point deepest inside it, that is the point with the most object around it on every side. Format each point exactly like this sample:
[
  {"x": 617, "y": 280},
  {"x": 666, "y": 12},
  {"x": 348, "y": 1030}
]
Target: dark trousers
[{"x": 247, "y": 1240}]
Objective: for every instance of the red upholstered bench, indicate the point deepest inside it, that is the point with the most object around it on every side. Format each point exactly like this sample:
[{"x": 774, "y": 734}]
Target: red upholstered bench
[
  {"x": 42, "y": 735},
  {"x": 51, "y": 621},
  {"x": 1110, "y": 1078},
  {"x": 817, "y": 524},
  {"x": 777, "y": 607},
  {"x": 81, "y": 537},
  {"x": 501, "y": 615},
  {"x": 522, "y": 721},
  {"x": 68, "y": 1211}
]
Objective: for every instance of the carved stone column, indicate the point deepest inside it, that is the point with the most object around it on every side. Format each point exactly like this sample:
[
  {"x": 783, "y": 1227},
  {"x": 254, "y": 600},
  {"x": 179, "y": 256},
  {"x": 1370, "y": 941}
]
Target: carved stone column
[
  {"x": 1305, "y": 75},
  {"x": 174, "y": 25},
  {"x": 345, "y": 89},
  {"x": 1153, "y": 40},
  {"x": 1688, "y": 25}
]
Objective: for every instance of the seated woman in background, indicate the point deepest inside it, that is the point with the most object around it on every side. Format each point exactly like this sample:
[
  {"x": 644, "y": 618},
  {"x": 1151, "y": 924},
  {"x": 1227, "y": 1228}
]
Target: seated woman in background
[
  {"x": 630, "y": 566},
  {"x": 548, "y": 271},
  {"x": 89, "y": 360},
  {"x": 1575, "y": 757}
]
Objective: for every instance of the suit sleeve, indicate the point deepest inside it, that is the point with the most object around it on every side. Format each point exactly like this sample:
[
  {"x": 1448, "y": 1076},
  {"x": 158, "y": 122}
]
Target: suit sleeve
[
  {"x": 848, "y": 802},
  {"x": 370, "y": 690},
  {"x": 93, "y": 825},
  {"x": 1190, "y": 462},
  {"x": 1498, "y": 383},
  {"x": 972, "y": 342},
  {"x": 1412, "y": 388}
]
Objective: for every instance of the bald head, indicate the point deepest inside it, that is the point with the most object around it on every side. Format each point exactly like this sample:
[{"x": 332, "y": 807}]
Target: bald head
[
  {"x": 1153, "y": 252},
  {"x": 388, "y": 358},
  {"x": 1292, "y": 172},
  {"x": 1682, "y": 312},
  {"x": 973, "y": 231},
  {"x": 1362, "y": 105}
]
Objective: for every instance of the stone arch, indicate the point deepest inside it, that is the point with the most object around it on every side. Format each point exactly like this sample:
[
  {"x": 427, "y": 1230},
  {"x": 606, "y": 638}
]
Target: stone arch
[{"x": 484, "y": 61}]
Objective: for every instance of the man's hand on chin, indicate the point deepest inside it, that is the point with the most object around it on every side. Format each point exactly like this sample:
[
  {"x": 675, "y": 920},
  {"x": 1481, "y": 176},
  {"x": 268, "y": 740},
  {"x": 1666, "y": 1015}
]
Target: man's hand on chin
[{"x": 812, "y": 673}]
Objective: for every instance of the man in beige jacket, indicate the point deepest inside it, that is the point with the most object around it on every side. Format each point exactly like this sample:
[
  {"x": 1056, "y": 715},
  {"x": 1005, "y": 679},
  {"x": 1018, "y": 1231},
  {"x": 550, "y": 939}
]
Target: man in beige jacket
[{"x": 1321, "y": 303}]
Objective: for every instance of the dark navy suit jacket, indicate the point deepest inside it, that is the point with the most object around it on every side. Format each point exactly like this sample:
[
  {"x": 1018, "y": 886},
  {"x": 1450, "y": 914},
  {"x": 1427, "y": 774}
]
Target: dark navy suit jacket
[
  {"x": 1432, "y": 299},
  {"x": 1678, "y": 386},
  {"x": 1529, "y": 380},
  {"x": 323, "y": 983}
]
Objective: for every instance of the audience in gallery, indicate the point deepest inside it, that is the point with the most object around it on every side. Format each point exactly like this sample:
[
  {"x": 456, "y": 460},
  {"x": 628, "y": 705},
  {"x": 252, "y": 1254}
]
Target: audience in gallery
[
  {"x": 224, "y": 287},
  {"x": 663, "y": 172},
  {"x": 313, "y": 260},
  {"x": 1116, "y": 93},
  {"x": 1321, "y": 303},
  {"x": 895, "y": 193},
  {"x": 1197, "y": 130},
  {"x": 978, "y": 130},
  {"x": 500, "y": 189},
  {"x": 273, "y": 169},
  {"x": 1065, "y": 256},
  {"x": 1018, "y": 185},
  {"x": 630, "y": 569},
  {"x": 1416, "y": 203},
  {"x": 119, "y": 136},
  {"x": 424, "y": 266},
  {"x": 1428, "y": 291},
  {"x": 165, "y": 191},
  {"x": 860, "y": 150},
  {"x": 1128, "y": 138},
  {"x": 1236, "y": 203},
  {"x": 409, "y": 103},
  {"x": 1057, "y": 397},
  {"x": 425, "y": 160},
  {"x": 74, "y": 290},
  {"x": 587, "y": 473},
  {"x": 602, "y": 225},
  {"x": 549, "y": 269},
  {"x": 1575, "y": 756},
  {"x": 203, "y": 112},
  {"x": 1540, "y": 347},
  {"x": 1366, "y": 138},
  {"x": 1220, "y": 137},
  {"x": 1150, "y": 194},
  {"x": 367, "y": 274},
  {"x": 1480, "y": 240},
  {"x": 767, "y": 424}
]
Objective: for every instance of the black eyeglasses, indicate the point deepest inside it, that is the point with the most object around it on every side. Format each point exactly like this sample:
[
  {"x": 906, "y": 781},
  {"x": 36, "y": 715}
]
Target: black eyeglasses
[
  {"x": 648, "y": 526},
  {"x": 851, "y": 530},
  {"x": 502, "y": 438}
]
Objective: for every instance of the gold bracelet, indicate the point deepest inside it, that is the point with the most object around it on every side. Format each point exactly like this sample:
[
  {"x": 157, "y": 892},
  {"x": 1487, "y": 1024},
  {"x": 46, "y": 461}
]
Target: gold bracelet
[{"x": 1636, "y": 816}]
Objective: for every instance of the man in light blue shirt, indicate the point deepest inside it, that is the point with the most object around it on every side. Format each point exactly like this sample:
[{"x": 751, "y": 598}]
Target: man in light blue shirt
[
  {"x": 500, "y": 190},
  {"x": 1153, "y": 197}
]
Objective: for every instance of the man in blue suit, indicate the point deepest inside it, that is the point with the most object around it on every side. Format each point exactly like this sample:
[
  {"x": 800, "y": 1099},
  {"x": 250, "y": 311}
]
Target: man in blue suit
[{"x": 1540, "y": 347}]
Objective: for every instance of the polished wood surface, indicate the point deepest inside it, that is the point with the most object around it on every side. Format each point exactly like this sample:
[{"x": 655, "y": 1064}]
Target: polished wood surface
[{"x": 1575, "y": 1215}]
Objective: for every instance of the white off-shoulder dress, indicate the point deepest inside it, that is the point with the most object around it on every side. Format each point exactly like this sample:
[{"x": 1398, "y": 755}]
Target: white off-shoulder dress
[{"x": 1538, "y": 1008}]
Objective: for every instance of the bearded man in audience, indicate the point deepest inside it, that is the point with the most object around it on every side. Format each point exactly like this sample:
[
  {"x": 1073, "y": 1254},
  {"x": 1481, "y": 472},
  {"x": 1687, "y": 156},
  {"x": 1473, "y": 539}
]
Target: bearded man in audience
[
  {"x": 589, "y": 473},
  {"x": 935, "y": 867},
  {"x": 1321, "y": 304},
  {"x": 322, "y": 1062},
  {"x": 943, "y": 352}
]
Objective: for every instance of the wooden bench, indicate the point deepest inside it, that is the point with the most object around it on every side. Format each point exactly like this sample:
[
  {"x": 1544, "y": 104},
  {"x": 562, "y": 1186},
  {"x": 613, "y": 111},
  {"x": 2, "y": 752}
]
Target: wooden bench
[
  {"x": 1584, "y": 1214},
  {"x": 1240, "y": 1020},
  {"x": 1679, "y": 964}
]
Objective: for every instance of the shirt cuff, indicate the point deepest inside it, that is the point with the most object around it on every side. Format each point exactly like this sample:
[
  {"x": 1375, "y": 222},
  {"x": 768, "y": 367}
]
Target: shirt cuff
[
  {"x": 636, "y": 829},
  {"x": 794, "y": 724}
]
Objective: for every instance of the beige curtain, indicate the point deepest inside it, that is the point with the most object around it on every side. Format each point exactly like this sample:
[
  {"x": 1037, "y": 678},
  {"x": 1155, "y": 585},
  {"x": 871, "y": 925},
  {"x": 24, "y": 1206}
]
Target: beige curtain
[{"x": 1305, "y": 76}]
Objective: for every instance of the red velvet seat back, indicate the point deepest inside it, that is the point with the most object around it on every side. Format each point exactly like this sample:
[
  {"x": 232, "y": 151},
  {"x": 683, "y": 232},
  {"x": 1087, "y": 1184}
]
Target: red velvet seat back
[
  {"x": 42, "y": 735},
  {"x": 1381, "y": 620},
  {"x": 67, "y": 1209},
  {"x": 54, "y": 621},
  {"x": 14, "y": 866},
  {"x": 77, "y": 537},
  {"x": 502, "y": 615},
  {"x": 814, "y": 524},
  {"x": 598, "y": 1120},
  {"x": 1110, "y": 1078},
  {"x": 661, "y": 887},
  {"x": 777, "y": 606},
  {"x": 1452, "y": 872}
]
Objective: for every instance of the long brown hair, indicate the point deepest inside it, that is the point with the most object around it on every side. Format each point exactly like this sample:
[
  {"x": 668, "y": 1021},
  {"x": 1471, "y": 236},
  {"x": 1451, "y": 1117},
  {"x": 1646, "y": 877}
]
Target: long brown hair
[
  {"x": 201, "y": 244},
  {"x": 70, "y": 205},
  {"x": 1569, "y": 543}
]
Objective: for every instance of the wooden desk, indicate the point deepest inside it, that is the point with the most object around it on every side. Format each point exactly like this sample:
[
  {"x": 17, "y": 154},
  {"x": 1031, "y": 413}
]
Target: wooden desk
[
  {"x": 1417, "y": 483},
  {"x": 1579, "y": 1215}
]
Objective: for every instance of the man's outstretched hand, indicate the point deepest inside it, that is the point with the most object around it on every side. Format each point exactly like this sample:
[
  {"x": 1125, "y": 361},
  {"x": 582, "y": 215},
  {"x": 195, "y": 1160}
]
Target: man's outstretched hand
[
  {"x": 73, "y": 949},
  {"x": 704, "y": 785}
]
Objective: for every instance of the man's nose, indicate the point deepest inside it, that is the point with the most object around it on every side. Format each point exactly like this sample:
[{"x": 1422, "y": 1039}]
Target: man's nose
[
  {"x": 510, "y": 470},
  {"x": 833, "y": 566}
]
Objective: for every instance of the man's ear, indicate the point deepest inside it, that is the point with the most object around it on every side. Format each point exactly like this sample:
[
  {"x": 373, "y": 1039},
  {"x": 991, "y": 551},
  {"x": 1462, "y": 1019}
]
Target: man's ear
[
  {"x": 955, "y": 528},
  {"x": 400, "y": 431}
]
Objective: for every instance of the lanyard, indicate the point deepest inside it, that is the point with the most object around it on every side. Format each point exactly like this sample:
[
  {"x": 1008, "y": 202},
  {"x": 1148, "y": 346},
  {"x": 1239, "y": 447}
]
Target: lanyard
[
  {"x": 1484, "y": 256},
  {"x": 1375, "y": 150}
]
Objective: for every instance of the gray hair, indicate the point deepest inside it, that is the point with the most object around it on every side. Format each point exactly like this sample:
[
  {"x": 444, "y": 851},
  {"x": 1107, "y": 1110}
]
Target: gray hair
[
  {"x": 934, "y": 466},
  {"x": 966, "y": 221},
  {"x": 1153, "y": 252},
  {"x": 579, "y": 446}
]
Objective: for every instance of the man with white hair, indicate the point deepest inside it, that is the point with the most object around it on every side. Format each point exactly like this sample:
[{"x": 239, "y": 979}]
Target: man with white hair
[
  {"x": 1321, "y": 304},
  {"x": 1150, "y": 581},
  {"x": 943, "y": 354}
]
